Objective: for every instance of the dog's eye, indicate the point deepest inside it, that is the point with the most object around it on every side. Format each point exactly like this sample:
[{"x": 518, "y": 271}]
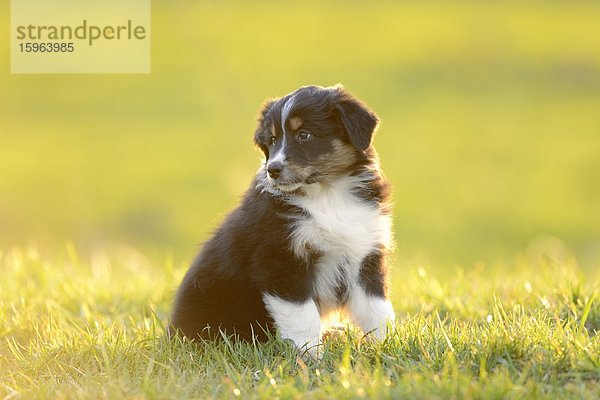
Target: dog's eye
[
  {"x": 303, "y": 136},
  {"x": 271, "y": 140}
]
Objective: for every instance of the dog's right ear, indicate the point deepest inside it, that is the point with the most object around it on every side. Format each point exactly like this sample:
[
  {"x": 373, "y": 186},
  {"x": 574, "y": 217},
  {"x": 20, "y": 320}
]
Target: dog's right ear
[
  {"x": 263, "y": 130},
  {"x": 359, "y": 121}
]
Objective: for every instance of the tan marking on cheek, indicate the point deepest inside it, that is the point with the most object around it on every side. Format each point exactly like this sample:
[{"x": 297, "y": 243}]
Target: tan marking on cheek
[
  {"x": 337, "y": 159},
  {"x": 342, "y": 154},
  {"x": 299, "y": 172},
  {"x": 273, "y": 131},
  {"x": 295, "y": 123}
]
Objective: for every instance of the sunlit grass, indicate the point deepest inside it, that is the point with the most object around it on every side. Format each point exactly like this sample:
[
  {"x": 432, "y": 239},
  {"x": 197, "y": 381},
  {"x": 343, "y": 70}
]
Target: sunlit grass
[
  {"x": 93, "y": 327},
  {"x": 490, "y": 137}
]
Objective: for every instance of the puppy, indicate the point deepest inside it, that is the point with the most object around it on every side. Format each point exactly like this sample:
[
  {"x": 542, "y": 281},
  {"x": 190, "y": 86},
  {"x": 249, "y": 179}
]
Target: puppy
[{"x": 310, "y": 236}]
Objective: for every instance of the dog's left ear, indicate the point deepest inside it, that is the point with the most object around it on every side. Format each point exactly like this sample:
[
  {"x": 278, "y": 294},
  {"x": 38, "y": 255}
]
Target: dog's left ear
[
  {"x": 359, "y": 121},
  {"x": 260, "y": 135}
]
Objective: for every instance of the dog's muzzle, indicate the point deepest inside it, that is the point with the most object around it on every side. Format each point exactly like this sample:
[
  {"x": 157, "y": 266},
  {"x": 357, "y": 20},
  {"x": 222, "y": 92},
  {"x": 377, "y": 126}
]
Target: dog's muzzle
[{"x": 274, "y": 169}]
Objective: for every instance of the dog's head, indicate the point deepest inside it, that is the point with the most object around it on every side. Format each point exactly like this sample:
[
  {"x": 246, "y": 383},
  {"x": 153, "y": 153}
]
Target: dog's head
[{"x": 314, "y": 134}]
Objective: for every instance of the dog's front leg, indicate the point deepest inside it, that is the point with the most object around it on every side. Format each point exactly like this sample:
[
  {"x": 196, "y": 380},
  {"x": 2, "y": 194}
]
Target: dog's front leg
[
  {"x": 372, "y": 312},
  {"x": 298, "y": 321}
]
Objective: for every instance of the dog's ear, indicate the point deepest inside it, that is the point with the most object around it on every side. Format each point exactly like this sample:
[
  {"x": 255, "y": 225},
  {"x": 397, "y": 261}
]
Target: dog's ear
[
  {"x": 262, "y": 134},
  {"x": 359, "y": 121}
]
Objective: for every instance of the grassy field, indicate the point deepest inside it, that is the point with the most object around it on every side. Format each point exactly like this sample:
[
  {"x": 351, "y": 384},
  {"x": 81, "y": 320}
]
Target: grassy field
[
  {"x": 490, "y": 137},
  {"x": 93, "y": 328}
]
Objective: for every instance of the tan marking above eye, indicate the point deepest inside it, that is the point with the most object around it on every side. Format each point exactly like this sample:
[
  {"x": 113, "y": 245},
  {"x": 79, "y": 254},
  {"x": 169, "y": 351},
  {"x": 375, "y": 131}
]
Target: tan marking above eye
[
  {"x": 273, "y": 131},
  {"x": 295, "y": 123}
]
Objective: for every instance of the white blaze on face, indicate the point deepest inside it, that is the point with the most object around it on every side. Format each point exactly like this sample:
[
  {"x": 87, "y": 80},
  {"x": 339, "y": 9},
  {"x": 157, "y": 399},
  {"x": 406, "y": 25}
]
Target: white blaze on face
[
  {"x": 285, "y": 112},
  {"x": 280, "y": 155}
]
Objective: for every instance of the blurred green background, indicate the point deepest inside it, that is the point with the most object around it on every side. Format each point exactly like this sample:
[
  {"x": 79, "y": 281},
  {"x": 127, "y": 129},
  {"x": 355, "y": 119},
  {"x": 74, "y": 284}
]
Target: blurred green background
[{"x": 490, "y": 133}]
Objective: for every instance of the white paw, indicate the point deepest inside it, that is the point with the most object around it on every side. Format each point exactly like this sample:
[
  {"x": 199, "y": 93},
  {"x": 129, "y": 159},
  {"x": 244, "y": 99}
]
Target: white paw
[
  {"x": 374, "y": 314},
  {"x": 299, "y": 322}
]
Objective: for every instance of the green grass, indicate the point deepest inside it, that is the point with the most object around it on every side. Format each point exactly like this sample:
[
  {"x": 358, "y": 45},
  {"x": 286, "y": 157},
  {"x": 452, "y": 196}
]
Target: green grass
[
  {"x": 490, "y": 137},
  {"x": 93, "y": 328}
]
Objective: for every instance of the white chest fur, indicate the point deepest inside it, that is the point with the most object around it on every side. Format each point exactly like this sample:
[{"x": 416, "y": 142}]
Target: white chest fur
[{"x": 340, "y": 227}]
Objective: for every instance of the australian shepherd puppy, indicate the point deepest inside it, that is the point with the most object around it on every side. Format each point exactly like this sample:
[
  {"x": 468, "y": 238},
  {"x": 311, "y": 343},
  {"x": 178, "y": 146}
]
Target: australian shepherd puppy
[{"x": 310, "y": 235}]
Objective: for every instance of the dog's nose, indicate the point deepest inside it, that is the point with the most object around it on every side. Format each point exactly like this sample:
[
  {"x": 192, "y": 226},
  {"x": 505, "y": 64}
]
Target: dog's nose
[{"x": 274, "y": 169}]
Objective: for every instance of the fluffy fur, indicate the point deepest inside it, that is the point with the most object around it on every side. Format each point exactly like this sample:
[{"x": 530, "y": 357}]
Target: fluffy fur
[{"x": 310, "y": 236}]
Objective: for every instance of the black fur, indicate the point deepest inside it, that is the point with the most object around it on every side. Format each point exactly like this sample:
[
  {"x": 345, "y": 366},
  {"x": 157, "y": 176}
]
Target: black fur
[
  {"x": 372, "y": 275},
  {"x": 358, "y": 120},
  {"x": 250, "y": 253}
]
